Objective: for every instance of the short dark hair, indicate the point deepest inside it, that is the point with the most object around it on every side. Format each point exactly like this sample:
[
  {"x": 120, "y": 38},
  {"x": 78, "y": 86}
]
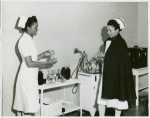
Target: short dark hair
[
  {"x": 114, "y": 24},
  {"x": 30, "y": 22}
]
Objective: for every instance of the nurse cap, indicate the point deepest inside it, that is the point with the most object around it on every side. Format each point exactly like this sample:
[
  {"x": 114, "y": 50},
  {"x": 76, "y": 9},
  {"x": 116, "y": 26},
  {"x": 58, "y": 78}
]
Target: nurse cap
[
  {"x": 22, "y": 21},
  {"x": 121, "y": 23}
]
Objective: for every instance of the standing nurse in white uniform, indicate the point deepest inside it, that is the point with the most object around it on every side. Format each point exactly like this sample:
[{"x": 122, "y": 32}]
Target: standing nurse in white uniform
[{"x": 27, "y": 96}]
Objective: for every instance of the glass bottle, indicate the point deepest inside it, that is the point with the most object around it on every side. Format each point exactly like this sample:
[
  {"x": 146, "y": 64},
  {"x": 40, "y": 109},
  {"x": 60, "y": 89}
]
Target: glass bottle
[
  {"x": 90, "y": 67},
  {"x": 97, "y": 67},
  {"x": 50, "y": 76},
  {"x": 86, "y": 63},
  {"x": 54, "y": 78},
  {"x": 47, "y": 79}
]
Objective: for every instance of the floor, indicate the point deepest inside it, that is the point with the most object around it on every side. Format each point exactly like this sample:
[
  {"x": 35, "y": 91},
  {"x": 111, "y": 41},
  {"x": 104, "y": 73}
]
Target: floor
[{"x": 141, "y": 110}]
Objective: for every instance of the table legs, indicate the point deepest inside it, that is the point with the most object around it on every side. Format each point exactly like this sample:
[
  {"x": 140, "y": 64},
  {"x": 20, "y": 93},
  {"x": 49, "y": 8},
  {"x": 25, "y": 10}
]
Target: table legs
[
  {"x": 92, "y": 112},
  {"x": 20, "y": 113},
  {"x": 41, "y": 101},
  {"x": 64, "y": 93},
  {"x": 80, "y": 100},
  {"x": 137, "y": 91}
]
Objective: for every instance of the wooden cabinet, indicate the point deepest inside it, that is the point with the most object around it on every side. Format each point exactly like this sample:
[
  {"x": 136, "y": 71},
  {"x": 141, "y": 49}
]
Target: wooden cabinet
[{"x": 90, "y": 89}]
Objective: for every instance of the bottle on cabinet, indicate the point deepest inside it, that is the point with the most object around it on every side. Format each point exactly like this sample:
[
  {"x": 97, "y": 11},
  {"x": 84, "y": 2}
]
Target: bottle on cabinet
[
  {"x": 40, "y": 78},
  {"x": 63, "y": 72},
  {"x": 67, "y": 72}
]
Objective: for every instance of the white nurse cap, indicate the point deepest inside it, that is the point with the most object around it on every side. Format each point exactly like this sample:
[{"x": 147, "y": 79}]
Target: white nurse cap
[
  {"x": 121, "y": 23},
  {"x": 22, "y": 21}
]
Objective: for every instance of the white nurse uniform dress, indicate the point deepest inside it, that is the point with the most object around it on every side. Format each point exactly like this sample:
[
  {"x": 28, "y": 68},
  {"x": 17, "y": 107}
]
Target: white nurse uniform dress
[
  {"x": 111, "y": 103},
  {"x": 27, "y": 96}
]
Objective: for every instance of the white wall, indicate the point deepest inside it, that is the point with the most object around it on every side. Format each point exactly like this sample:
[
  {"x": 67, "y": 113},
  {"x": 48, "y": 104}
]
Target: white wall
[
  {"x": 143, "y": 36},
  {"x": 62, "y": 27},
  {"x": 0, "y": 64},
  {"x": 143, "y": 24}
]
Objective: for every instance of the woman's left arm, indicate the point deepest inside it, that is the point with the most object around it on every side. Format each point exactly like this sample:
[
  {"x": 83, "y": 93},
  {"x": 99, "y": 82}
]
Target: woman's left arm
[
  {"x": 40, "y": 56},
  {"x": 44, "y": 54}
]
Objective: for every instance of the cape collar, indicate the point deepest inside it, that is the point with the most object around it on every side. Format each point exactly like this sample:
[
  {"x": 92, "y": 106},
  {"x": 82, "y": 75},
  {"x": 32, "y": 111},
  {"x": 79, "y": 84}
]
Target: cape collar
[{"x": 116, "y": 37}]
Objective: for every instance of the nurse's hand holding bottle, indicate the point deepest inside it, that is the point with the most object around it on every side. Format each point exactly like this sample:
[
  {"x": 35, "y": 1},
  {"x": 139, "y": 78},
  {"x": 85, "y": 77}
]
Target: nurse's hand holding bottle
[
  {"x": 45, "y": 54},
  {"x": 50, "y": 57}
]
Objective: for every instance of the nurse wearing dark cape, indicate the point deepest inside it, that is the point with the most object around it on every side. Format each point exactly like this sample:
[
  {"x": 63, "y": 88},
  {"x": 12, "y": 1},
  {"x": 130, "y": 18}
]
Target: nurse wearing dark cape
[{"x": 117, "y": 87}]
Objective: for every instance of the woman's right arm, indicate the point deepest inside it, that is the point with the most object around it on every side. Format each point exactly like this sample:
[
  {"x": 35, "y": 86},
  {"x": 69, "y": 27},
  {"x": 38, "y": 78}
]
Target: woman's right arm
[
  {"x": 101, "y": 57},
  {"x": 34, "y": 64}
]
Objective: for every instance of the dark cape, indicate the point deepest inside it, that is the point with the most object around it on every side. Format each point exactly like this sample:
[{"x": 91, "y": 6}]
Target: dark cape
[{"x": 118, "y": 80}]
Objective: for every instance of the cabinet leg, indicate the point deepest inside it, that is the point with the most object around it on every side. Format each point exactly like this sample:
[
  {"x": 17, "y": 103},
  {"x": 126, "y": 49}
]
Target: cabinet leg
[
  {"x": 41, "y": 102},
  {"x": 92, "y": 113},
  {"x": 18, "y": 113},
  {"x": 137, "y": 92},
  {"x": 80, "y": 112},
  {"x": 80, "y": 99},
  {"x": 64, "y": 93}
]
